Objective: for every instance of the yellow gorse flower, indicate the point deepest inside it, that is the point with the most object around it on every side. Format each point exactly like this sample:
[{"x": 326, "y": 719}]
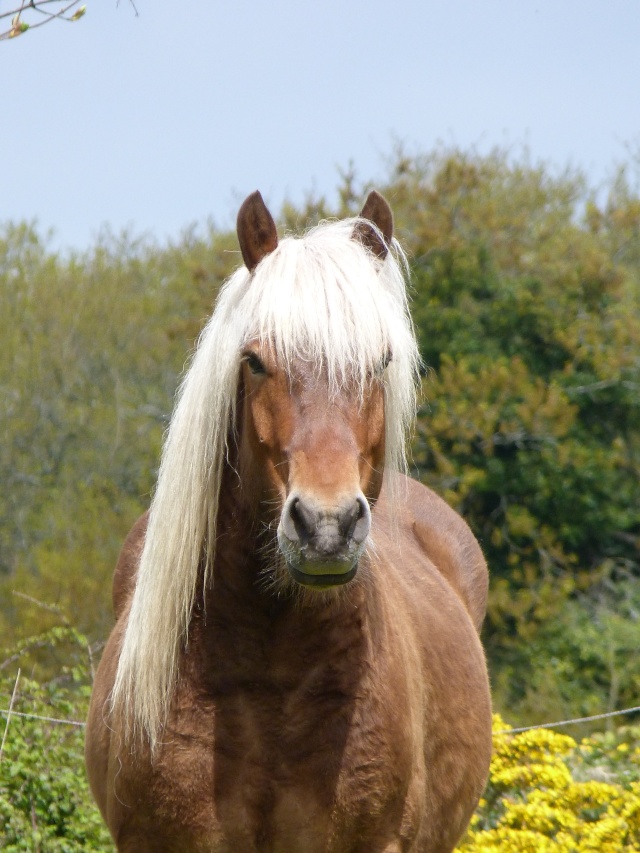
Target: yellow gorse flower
[{"x": 546, "y": 795}]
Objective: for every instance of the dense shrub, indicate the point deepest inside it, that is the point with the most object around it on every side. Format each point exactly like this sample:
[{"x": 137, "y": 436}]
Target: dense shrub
[
  {"x": 45, "y": 803},
  {"x": 548, "y": 793}
]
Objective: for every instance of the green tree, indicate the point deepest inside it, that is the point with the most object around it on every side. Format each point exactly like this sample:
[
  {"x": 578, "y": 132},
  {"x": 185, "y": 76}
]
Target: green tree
[
  {"x": 527, "y": 300},
  {"x": 93, "y": 347},
  {"x": 526, "y": 292}
]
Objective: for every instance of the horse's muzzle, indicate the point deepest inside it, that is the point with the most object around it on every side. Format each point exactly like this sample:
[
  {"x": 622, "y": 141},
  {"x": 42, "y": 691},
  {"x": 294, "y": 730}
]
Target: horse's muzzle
[{"x": 322, "y": 545}]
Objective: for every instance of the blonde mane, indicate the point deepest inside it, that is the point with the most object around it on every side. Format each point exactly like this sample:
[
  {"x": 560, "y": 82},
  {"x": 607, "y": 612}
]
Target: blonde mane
[{"x": 323, "y": 297}]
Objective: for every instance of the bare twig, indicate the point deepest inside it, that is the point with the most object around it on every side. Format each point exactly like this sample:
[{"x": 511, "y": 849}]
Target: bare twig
[
  {"x": 135, "y": 9},
  {"x": 30, "y": 646},
  {"x": 19, "y": 25},
  {"x": 49, "y": 638},
  {"x": 52, "y": 608},
  {"x": 6, "y": 728}
]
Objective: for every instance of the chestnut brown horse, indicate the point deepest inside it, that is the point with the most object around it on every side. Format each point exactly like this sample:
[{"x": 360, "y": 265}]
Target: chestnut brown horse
[{"x": 295, "y": 665}]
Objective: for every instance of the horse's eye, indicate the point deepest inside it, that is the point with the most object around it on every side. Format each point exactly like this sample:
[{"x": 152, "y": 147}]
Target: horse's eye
[
  {"x": 383, "y": 363},
  {"x": 255, "y": 365}
]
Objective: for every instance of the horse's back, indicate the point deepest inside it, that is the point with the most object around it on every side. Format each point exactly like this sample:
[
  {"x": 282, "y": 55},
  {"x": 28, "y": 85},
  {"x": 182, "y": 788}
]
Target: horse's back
[
  {"x": 421, "y": 518},
  {"x": 433, "y": 576},
  {"x": 98, "y": 752},
  {"x": 124, "y": 574}
]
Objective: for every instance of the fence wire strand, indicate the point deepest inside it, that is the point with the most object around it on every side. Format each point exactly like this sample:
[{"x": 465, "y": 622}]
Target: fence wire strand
[
  {"x": 568, "y": 722},
  {"x": 39, "y": 717},
  {"x": 11, "y": 713}
]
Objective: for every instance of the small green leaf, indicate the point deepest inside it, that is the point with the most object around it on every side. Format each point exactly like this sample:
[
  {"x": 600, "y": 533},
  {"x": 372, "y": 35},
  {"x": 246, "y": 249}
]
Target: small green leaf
[{"x": 17, "y": 27}]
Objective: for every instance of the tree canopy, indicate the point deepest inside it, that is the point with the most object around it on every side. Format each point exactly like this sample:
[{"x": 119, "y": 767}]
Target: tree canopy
[{"x": 526, "y": 301}]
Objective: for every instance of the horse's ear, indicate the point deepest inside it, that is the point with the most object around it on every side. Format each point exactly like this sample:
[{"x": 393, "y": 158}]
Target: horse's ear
[
  {"x": 376, "y": 209},
  {"x": 257, "y": 233}
]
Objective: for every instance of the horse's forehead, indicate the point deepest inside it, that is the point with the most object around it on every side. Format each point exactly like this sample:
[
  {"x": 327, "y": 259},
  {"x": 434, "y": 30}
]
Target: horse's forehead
[
  {"x": 303, "y": 363},
  {"x": 305, "y": 378},
  {"x": 310, "y": 383},
  {"x": 322, "y": 378}
]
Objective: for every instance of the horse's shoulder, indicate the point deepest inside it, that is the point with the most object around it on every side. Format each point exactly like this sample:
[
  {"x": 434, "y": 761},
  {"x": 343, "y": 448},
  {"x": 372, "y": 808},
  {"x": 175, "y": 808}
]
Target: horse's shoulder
[
  {"x": 127, "y": 566},
  {"x": 446, "y": 540}
]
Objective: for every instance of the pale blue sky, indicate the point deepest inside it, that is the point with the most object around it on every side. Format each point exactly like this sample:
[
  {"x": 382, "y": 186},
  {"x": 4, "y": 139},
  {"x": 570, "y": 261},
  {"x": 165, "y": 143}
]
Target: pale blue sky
[{"x": 157, "y": 121}]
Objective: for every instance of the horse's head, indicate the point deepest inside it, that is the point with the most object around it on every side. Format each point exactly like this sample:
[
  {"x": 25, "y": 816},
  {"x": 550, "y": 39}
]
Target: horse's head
[
  {"x": 316, "y": 456},
  {"x": 312, "y": 435}
]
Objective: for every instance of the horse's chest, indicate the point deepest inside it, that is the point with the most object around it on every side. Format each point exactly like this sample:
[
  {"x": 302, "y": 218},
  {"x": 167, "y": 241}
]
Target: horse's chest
[{"x": 302, "y": 770}]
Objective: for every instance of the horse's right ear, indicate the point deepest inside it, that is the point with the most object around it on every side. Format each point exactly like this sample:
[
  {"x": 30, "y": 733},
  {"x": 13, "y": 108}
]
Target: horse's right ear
[{"x": 257, "y": 233}]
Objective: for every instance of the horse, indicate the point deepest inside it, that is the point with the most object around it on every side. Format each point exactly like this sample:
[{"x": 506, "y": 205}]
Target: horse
[{"x": 295, "y": 665}]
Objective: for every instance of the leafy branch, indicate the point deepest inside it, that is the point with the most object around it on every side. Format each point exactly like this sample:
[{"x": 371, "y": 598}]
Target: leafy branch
[{"x": 28, "y": 7}]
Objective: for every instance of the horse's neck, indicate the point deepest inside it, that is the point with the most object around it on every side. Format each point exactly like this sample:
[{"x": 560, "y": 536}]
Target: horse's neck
[
  {"x": 241, "y": 541},
  {"x": 242, "y": 611}
]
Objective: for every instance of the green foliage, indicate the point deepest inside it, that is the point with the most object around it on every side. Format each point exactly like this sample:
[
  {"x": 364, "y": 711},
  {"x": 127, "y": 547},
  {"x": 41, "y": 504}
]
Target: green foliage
[
  {"x": 93, "y": 347},
  {"x": 45, "y": 803},
  {"x": 527, "y": 307},
  {"x": 583, "y": 662},
  {"x": 546, "y": 792}
]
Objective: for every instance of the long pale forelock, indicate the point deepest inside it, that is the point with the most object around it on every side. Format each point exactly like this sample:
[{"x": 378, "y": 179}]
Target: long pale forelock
[
  {"x": 326, "y": 299},
  {"x": 323, "y": 297}
]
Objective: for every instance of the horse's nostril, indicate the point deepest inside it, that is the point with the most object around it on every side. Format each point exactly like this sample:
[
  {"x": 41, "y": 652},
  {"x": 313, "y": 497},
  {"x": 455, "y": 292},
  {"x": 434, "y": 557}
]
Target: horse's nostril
[
  {"x": 354, "y": 522},
  {"x": 348, "y": 519},
  {"x": 362, "y": 523},
  {"x": 303, "y": 521},
  {"x": 363, "y": 508}
]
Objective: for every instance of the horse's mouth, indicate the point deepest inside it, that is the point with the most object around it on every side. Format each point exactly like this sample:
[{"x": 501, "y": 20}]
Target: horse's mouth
[{"x": 323, "y": 575}]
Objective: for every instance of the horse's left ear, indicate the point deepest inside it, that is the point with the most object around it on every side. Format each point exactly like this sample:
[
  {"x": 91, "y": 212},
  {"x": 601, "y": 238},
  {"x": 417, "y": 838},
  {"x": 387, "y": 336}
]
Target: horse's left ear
[
  {"x": 256, "y": 229},
  {"x": 376, "y": 209}
]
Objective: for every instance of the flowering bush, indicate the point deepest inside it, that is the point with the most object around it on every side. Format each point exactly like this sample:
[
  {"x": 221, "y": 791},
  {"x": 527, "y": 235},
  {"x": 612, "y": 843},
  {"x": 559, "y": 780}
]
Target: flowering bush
[{"x": 549, "y": 794}]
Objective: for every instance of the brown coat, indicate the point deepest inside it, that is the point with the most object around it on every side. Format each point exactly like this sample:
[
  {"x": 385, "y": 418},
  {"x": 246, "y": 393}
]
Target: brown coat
[{"x": 363, "y": 725}]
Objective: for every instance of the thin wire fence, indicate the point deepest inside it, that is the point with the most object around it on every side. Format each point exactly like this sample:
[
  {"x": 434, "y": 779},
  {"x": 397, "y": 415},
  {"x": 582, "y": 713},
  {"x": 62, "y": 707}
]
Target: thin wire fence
[
  {"x": 559, "y": 723},
  {"x": 40, "y": 717},
  {"x": 555, "y": 725}
]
